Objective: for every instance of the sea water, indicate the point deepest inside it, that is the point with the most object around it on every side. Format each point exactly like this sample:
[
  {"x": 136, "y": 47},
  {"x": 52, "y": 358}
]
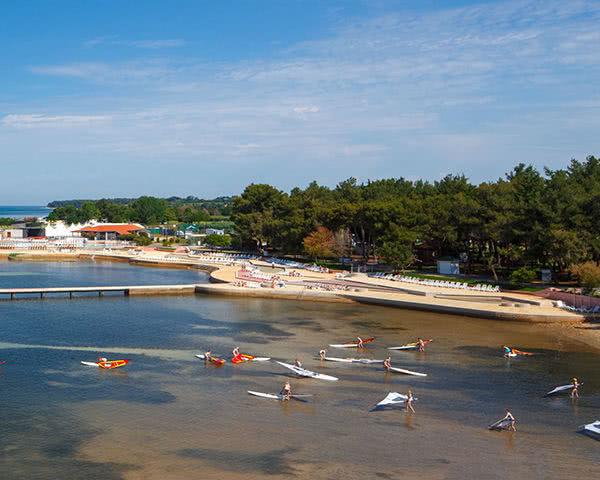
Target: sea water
[
  {"x": 167, "y": 415},
  {"x": 19, "y": 212}
]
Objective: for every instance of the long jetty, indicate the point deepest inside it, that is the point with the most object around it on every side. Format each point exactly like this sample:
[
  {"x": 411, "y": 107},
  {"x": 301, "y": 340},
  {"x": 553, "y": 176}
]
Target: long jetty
[{"x": 126, "y": 290}]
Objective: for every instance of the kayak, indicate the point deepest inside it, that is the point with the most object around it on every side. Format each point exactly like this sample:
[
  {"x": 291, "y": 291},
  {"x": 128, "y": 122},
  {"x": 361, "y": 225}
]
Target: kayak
[
  {"x": 277, "y": 396},
  {"x": 519, "y": 352},
  {"x": 241, "y": 358},
  {"x": 216, "y": 361},
  {"x": 350, "y": 344},
  {"x": 500, "y": 425},
  {"x": 352, "y": 360},
  {"x": 560, "y": 389},
  {"x": 407, "y": 372},
  {"x": 409, "y": 346},
  {"x": 592, "y": 429},
  {"x": 107, "y": 365},
  {"x": 307, "y": 373}
]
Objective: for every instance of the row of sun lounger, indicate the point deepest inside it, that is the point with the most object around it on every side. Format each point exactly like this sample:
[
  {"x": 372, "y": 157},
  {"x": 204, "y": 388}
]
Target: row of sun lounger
[{"x": 437, "y": 283}]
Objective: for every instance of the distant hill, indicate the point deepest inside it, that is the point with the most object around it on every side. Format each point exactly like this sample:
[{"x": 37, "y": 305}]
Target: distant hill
[{"x": 172, "y": 201}]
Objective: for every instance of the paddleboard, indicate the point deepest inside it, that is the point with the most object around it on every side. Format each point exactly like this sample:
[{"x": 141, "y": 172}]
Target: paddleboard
[
  {"x": 215, "y": 361},
  {"x": 107, "y": 365},
  {"x": 352, "y": 360},
  {"x": 277, "y": 396},
  {"x": 409, "y": 346},
  {"x": 407, "y": 372},
  {"x": 500, "y": 425},
  {"x": 350, "y": 344},
  {"x": 560, "y": 389},
  {"x": 519, "y": 352},
  {"x": 307, "y": 373}
]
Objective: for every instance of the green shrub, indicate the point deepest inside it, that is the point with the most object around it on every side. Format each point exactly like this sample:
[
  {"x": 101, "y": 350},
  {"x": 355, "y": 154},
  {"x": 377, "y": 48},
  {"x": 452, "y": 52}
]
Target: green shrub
[{"x": 523, "y": 275}]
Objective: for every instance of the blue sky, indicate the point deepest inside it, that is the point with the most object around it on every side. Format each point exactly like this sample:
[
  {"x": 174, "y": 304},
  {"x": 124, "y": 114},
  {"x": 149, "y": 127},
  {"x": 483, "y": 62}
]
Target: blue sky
[{"x": 113, "y": 98}]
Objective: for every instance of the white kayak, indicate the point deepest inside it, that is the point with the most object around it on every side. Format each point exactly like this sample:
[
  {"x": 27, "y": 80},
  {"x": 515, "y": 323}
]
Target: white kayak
[
  {"x": 560, "y": 389},
  {"x": 307, "y": 373},
  {"x": 410, "y": 346},
  {"x": 352, "y": 360},
  {"x": 592, "y": 429},
  {"x": 407, "y": 372},
  {"x": 350, "y": 344},
  {"x": 276, "y": 396},
  {"x": 500, "y": 425}
]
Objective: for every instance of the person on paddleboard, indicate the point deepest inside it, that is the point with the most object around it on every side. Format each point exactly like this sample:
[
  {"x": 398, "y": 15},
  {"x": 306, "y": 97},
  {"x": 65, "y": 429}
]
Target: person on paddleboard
[
  {"x": 575, "y": 391},
  {"x": 236, "y": 351},
  {"x": 322, "y": 354},
  {"x": 421, "y": 344},
  {"x": 360, "y": 342},
  {"x": 298, "y": 363},
  {"x": 509, "y": 416},
  {"x": 409, "y": 401},
  {"x": 387, "y": 363},
  {"x": 286, "y": 391}
]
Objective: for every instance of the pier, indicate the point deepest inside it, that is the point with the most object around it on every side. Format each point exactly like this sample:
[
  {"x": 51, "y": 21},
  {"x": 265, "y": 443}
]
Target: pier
[{"x": 13, "y": 293}]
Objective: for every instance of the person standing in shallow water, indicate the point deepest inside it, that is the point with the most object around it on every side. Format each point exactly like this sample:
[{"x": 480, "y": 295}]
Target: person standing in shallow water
[
  {"x": 421, "y": 344},
  {"x": 387, "y": 363},
  {"x": 575, "y": 391},
  {"x": 409, "y": 401}
]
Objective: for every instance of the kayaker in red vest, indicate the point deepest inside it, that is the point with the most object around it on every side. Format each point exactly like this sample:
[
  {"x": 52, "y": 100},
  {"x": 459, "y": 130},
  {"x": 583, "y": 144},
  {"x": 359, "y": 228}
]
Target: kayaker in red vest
[
  {"x": 421, "y": 344},
  {"x": 360, "y": 342},
  {"x": 387, "y": 363},
  {"x": 286, "y": 391}
]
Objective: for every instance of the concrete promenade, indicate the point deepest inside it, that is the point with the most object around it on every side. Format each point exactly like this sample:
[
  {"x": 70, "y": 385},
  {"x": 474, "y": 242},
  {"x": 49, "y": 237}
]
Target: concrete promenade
[{"x": 317, "y": 286}]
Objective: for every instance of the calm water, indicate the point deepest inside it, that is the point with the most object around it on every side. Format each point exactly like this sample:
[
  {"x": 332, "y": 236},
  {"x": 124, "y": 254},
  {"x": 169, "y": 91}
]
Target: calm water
[
  {"x": 19, "y": 212},
  {"x": 168, "y": 416}
]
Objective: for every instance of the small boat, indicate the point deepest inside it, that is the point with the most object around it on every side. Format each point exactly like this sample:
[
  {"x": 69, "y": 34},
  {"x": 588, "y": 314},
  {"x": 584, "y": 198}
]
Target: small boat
[
  {"x": 216, "y": 361},
  {"x": 500, "y": 425},
  {"x": 277, "y": 396},
  {"x": 592, "y": 429},
  {"x": 351, "y": 344},
  {"x": 242, "y": 358},
  {"x": 307, "y": 373},
  {"x": 407, "y": 372},
  {"x": 410, "y": 346},
  {"x": 352, "y": 360},
  {"x": 106, "y": 364},
  {"x": 560, "y": 389}
]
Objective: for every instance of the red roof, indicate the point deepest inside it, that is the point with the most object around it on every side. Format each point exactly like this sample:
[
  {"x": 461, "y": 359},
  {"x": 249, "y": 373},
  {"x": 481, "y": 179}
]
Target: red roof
[{"x": 120, "y": 229}]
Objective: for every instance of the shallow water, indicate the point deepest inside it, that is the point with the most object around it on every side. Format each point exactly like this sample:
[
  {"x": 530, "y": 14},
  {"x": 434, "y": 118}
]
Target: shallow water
[{"x": 168, "y": 416}]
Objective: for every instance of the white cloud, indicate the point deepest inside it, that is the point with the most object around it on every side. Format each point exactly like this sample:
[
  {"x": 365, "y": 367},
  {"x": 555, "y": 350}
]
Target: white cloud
[
  {"x": 311, "y": 109},
  {"x": 39, "y": 120}
]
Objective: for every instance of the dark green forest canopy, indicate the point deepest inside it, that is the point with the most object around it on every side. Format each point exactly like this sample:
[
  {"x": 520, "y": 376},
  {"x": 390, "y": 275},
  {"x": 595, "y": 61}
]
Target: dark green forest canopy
[{"x": 529, "y": 217}]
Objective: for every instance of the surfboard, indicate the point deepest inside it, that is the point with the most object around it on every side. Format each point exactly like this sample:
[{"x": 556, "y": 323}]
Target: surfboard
[{"x": 407, "y": 372}]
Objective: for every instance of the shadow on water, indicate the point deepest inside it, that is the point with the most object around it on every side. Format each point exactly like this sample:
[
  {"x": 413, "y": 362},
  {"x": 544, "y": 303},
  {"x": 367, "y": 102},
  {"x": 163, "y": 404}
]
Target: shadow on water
[{"x": 273, "y": 462}]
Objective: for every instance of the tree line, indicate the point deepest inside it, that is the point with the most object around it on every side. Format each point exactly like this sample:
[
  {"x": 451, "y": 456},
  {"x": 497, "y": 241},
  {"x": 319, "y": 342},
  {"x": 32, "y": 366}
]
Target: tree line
[
  {"x": 146, "y": 210},
  {"x": 529, "y": 218}
]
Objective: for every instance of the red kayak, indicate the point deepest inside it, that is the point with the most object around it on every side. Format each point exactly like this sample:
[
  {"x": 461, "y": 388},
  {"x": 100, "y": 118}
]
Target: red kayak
[
  {"x": 215, "y": 361},
  {"x": 113, "y": 364}
]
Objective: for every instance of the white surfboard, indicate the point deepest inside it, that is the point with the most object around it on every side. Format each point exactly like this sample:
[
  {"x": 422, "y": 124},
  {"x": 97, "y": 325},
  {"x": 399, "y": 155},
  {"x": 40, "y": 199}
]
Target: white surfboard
[
  {"x": 407, "y": 372},
  {"x": 307, "y": 373}
]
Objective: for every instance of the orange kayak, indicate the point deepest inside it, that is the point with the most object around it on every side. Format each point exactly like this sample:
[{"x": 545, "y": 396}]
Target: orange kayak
[{"x": 113, "y": 364}]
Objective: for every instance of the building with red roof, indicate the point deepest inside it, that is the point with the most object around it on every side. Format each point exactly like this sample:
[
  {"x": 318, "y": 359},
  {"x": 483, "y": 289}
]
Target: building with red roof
[{"x": 110, "y": 231}]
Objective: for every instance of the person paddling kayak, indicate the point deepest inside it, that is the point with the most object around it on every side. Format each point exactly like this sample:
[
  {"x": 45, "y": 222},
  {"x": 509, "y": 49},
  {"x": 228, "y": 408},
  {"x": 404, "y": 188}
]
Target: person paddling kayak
[
  {"x": 286, "y": 391},
  {"x": 322, "y": 354},
  {"x": 507, "y": 351},
  {"x": 409, "y": 401},
  {"x": 102, "y": 359},
  {"x": 421, "y": 344},
  {"x": 575, "y": 391},
  {"x": 387, "y": 363},
  {"x": 207, "y": 356},
  {"x": 359, "y": 342}
]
